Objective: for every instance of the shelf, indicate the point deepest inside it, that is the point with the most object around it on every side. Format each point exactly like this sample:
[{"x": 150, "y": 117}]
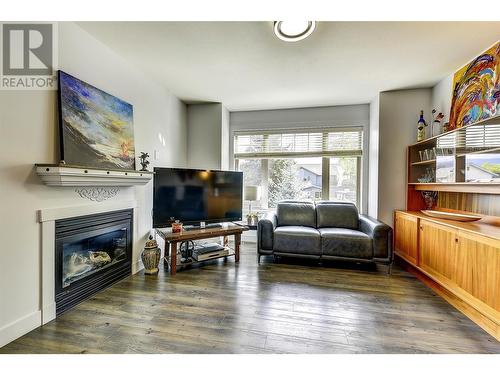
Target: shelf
[
  {"x": 494, "y": 120},
  {"x": 459, "y": 187},
  {"x": 69, "y": 175},
  {"x": 195, "y": 262},
  {"x": 424, "y": 162},
  {"x": 487, "y": 151}
]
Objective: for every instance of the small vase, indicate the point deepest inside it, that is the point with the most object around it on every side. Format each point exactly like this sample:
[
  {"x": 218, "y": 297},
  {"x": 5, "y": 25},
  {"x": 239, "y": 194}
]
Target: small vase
[
  {"x": 151, "y": 257},
  {"x": 429, "y": 199}
]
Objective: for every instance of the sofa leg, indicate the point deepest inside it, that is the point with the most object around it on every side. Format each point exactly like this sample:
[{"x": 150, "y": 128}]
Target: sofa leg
[
  {"x": 258, "y": 258},
  {"x": 389, "y": 269}
]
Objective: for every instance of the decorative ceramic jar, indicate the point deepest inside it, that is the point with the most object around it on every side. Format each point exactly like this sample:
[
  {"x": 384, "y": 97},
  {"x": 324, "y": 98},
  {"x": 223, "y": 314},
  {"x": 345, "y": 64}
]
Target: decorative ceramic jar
[{"x": 151, "y": 256}]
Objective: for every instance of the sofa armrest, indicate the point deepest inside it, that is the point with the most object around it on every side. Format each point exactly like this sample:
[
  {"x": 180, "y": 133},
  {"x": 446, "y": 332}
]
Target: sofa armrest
[
  {"x": 265, "y": 231},
  {"x": 380, "y": 233}
]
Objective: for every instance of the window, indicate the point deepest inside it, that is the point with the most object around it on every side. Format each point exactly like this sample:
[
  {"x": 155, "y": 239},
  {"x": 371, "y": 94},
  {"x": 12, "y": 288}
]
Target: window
[
  {"x": 316, "y": 164},
  {"x": 345, "y": 179}
]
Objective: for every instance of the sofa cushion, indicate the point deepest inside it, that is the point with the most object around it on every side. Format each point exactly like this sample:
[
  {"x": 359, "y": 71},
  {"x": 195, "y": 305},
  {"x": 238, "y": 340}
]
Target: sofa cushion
[
  {"x": 337, "y": 215},
  {"x": 343, "y": 242},
  {"x": 296, "y": 213},
  {"x": 297, "y": 239}
]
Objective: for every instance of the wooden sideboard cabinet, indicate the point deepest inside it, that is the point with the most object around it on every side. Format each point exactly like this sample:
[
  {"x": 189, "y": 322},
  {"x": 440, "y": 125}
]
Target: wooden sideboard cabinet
[{"x": 460, "y": 261}]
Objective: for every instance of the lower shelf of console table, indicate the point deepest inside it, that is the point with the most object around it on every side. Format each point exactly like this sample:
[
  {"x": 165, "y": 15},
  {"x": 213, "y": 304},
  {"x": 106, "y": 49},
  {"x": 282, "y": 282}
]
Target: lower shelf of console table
[{"x": 192, "y": 262}]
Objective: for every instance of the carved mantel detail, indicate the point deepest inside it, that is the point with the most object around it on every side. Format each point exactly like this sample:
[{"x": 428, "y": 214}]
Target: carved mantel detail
[{"x": 97, "y": 194}]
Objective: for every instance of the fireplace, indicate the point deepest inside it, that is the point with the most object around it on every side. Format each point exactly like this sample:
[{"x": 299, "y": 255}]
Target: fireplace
[{"x": 91, "y": 253}]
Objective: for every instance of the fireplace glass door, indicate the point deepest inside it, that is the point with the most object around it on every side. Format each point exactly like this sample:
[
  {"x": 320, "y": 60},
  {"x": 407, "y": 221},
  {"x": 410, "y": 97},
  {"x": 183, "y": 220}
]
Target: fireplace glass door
[
  {"x": 92, "y": 252},
  {"x": 83, "y": 257}
]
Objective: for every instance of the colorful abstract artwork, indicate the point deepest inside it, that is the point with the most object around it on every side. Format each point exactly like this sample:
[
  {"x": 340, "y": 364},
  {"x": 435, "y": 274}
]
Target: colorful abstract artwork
[
  {"x": 96, "y": 127},
  {"x": 476, "y": 89}
]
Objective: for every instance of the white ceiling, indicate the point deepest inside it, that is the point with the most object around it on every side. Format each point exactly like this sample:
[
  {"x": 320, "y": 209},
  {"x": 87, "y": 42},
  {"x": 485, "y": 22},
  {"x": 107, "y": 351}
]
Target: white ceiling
[{"x": 244, "y": 66}]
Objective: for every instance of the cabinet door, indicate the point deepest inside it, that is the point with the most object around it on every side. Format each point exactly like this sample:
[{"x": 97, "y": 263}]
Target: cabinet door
[
  {"x": 478, "y": 270},
  {"x": 437, "y": 249},
  {"x": 406, "y": 231}
]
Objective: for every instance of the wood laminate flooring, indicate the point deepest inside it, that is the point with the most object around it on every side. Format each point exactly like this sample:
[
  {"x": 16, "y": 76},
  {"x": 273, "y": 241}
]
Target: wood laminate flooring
[{"x": 287, "y": 307}]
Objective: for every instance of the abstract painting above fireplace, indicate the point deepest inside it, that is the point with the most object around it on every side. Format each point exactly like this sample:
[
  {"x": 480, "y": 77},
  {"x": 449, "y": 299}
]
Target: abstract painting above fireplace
[
  {"x": 92, "y": 252},
  {"x": 96, "y": 128}
]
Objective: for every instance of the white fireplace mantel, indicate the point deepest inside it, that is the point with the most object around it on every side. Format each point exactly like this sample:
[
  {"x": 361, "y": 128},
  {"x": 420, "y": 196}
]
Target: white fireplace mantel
[
  {"x": 47, "y": 218},
  {"x": 68, "y": 175}
]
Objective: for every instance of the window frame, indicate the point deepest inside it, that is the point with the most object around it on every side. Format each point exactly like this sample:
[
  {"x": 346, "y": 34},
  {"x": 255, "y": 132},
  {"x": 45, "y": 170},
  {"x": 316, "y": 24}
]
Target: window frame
[{"x": 325, "y": 155}]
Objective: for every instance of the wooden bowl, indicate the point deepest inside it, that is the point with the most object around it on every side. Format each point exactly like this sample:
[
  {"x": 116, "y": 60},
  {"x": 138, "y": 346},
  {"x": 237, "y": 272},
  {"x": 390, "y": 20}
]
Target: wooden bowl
[{"x": 451, "y": 215}]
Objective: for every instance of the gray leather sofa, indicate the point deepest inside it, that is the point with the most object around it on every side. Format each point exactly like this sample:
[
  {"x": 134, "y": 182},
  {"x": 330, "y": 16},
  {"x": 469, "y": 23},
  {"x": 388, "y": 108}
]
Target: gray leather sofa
[{"x": 324, "y": 230}]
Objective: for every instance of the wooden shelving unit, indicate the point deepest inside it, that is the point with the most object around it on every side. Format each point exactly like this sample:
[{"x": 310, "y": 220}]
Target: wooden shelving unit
[
  {"x": 459, "y": 261},
  {"x": 475, "y": 139}
]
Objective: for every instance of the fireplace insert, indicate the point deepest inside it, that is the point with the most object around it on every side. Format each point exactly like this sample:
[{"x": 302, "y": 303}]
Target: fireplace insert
[{"x": 92, "y": 252}]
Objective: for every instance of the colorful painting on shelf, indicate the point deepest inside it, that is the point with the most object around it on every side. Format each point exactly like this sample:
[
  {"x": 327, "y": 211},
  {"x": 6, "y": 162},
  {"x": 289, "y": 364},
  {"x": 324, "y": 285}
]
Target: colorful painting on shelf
[
  {"x": 476, "y": 89},
  {"x": 96, "y": 127}
]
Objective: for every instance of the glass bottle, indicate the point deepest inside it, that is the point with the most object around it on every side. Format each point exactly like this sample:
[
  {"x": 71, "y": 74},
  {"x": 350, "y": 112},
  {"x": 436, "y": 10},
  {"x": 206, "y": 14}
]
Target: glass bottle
[{"x": 421, "y": 125}]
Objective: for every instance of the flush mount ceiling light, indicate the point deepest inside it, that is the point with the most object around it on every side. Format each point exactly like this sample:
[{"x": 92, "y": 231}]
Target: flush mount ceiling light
[{"x": 293, "y": 31}]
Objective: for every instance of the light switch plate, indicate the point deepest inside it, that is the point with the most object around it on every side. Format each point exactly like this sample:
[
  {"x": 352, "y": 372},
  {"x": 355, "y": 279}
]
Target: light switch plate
[{"x": 157, "y": 155}]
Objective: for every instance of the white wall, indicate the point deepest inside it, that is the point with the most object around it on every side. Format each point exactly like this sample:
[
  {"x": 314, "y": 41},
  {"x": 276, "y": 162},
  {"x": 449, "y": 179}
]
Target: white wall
[
  {"x": 398, "y": 116},
  {"x": 204, "y": 135},
  {"x": 28, "y": 135},
  {"x": 225, "y": 139},
  {"x": 373, "y": 155},
  {"x": 349, "y": 115},
  {"x": 441, "y": 96}
]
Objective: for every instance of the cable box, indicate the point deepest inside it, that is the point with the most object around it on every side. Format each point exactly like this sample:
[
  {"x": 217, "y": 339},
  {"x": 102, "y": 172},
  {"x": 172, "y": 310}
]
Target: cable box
[{"x": 210, "y": 250}]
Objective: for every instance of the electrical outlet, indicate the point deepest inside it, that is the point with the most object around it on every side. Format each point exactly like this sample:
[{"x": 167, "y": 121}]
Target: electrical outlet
[{"x": 157, "y": 155}]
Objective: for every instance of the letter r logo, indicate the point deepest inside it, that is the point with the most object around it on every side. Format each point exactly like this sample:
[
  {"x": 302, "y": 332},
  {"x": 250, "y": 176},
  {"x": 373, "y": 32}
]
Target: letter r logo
[{"x": 27, "y": 49}]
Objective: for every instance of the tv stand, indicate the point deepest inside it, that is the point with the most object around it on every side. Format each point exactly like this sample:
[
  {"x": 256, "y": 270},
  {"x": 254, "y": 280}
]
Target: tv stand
[{"x": 172, "y": 240}]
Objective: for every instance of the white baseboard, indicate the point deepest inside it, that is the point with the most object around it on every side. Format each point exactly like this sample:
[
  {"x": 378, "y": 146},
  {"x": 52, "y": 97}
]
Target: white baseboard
[
  {"x": 48, "y": 313},
  {"x": 137, "y": 266},
  {"x": 20, "y": 327}
]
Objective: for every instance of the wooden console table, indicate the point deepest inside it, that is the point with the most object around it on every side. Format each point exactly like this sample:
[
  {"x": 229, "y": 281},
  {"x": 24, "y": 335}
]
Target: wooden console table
[
  {"x": 173, "y": 239},
  {"x": 460, "y": 261}
]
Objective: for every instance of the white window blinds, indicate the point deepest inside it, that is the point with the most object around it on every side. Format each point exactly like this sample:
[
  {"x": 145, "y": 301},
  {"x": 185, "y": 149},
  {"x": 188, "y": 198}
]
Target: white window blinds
[{"x": 313, "y": 142}]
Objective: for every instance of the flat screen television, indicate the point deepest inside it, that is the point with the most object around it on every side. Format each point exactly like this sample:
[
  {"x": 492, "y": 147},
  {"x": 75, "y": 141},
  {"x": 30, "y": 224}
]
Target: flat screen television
[{"x": 193, "y": 195}]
